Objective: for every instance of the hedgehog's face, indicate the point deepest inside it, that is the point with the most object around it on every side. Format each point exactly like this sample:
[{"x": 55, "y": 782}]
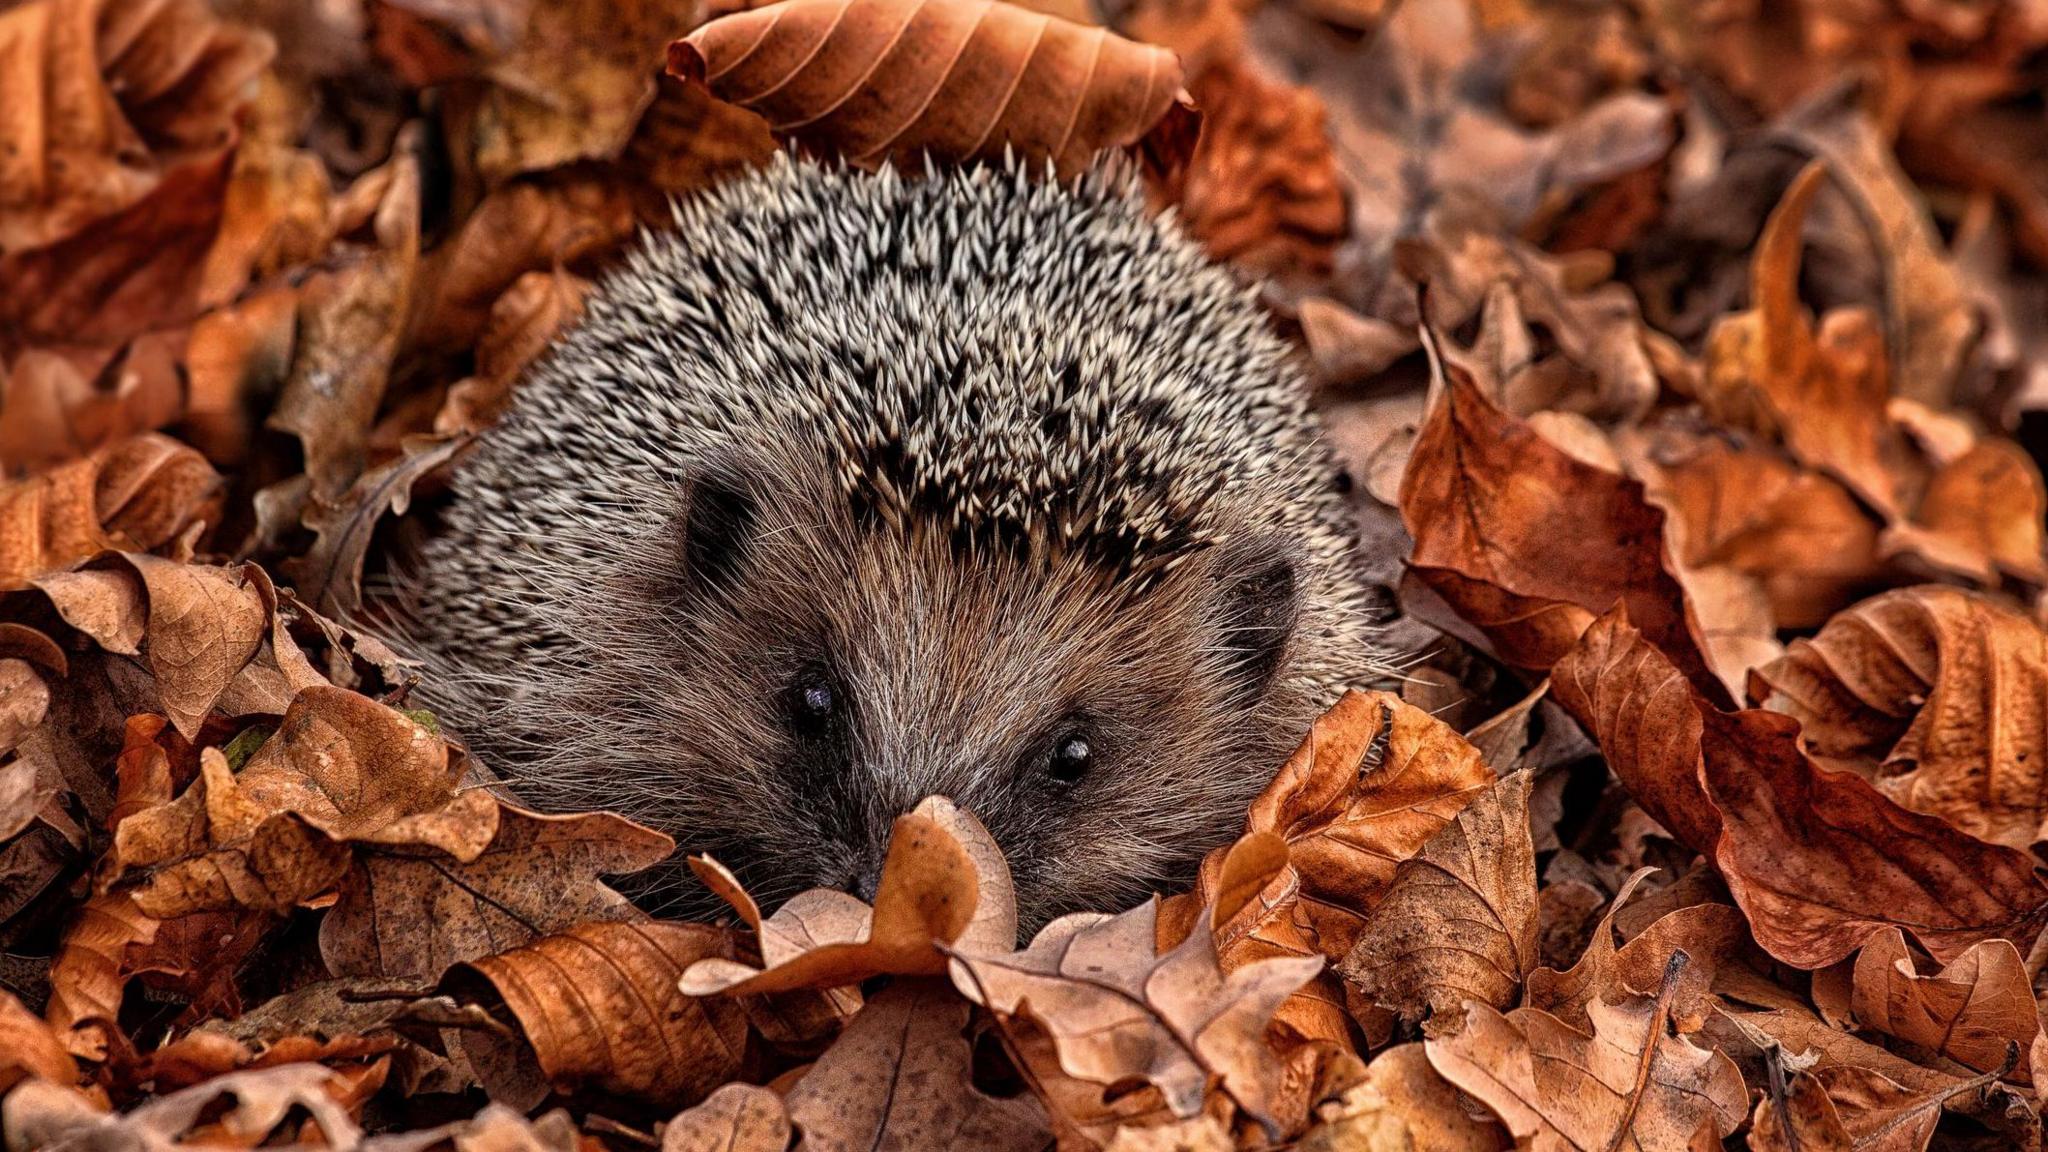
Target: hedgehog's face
[{"x": 830, "y": 675}]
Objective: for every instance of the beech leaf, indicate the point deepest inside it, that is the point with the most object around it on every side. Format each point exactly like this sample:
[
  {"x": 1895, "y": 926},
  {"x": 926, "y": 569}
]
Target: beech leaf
[
  {"x": 1529, "y": 544},
  {"x": 875, "y": 80},
  {"x": 1818, "y": 861},
  {"x": 601, "y": 1006},
  {"x": 1937, "y": 695}
]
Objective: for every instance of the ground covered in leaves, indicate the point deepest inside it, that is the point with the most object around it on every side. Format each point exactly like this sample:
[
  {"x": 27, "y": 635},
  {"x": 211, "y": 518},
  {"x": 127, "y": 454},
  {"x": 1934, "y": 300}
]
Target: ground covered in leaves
[{"x": 1687, "y": 362}]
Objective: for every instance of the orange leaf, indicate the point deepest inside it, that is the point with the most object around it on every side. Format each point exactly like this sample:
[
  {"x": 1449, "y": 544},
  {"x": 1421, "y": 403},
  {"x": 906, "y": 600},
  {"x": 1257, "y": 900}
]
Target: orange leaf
[
  {"x": 600, "y": 1004},
  {"x": 1530, "y": 544},
  {"x": 141, "y": 493},
  {"x": 1819, "y": 861},
  {"x": 943, "y": 881},
  {"x": 876, "y": 80},
  {"x": 1938, "y": 696}
]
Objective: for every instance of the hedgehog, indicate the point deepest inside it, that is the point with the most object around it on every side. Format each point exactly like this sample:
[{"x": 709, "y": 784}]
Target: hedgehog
[{"x": 854, "y": 488}]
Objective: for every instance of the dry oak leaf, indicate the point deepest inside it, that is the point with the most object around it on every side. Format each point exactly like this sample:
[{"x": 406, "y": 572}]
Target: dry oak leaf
[
  {"x": 1818, "y": 861},
  {"x": 351, "y": 319},
  {"x": 1714, "y": 938},
  {"x": 339, "y": 767},
  {"x": 568, "y": 81},
  {"x": 30, "y": 1048},
  {"x": 1981, "y": 515},
  {"x": 216, "y": 848},
  {"x": 1629, "y": 1084},
  {"x": 1974, "y": 1011},
  {"x": 601, "y": 1006},
  {"x": 1805, "y": 1121},
  {"x": 900, "y": 1076},
  {"x": 140, "y": 493},
  {"x": 736, "y": 1118},
  {"x": 102, "y": 97},
  {"x": 1458, "y": 925},
  {"x": 1403, "y": 1102},
  {"x": 474, "y": 878},
  {"x": 1529, "y": 544},
  {"x": 1799, "y": 534},
  {"x": 1115, "y": 1011},
  {"x": 88, "y": 974},
  {"x": 1374, "y": 779},
  {"x": 955, "y": 80},
  {"x": 1887, "y": 1103},
  {"x": 1824, "y": 395},
  {"x": 1415, "y": 125},
  {"x": 944, "y": 881},
  {"x": 262, "y": 1100},
  {"x": 1940, "y": 697}
]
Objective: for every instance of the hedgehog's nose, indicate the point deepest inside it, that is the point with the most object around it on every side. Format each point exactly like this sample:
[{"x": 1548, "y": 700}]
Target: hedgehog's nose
[{"x": 863, "y": 881}]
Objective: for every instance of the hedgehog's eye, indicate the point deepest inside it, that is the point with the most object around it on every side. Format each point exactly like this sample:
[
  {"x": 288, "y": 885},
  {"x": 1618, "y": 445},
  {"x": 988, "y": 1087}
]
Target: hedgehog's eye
[
  {"x": 812, "y": 702},
  {"x": 1071, "y": 758}
]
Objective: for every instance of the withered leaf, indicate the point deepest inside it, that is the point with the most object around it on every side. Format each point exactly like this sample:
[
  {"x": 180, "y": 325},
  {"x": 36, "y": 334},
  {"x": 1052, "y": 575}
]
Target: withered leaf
[
  {"x": 1938, "y": 696},
  {"x": 475, "y": 878},
  {"x": 1975, "y": 1010},
  {"x": 350, "y": 322},
  {"x": 1374, "y": 779},
  {"x": 601, "y": 1006},
  {"x": 262, "y": 1100},
  {"x": 1529, "y": 544},
  {"x": 330, "y": 574},
  {"x": 1818, "y": 861},
  {"x": 348, "y": 763},
  {"x": 205, "y": 625},
  {"x": 1116, "y": 1011},
  {"x": 87, "y": 975},
  {"x": 1806, "y": 1121},
  {"x": 1401, "y": 1088},
  {"x": 1981, "y": 516},
  {"x": 1418, "y": 125},
  {"x": 1929, "y": 320},
  {"x": 1458, "y": 924},
  {"x": 1799, "y": 534},
  {"x": 1261, "y": 189},
  {"x": 1823, "y": 394},
  {"x": 139, "y": 493},
  {"x": 1629, "y": 1084},
  {"x": 876, "y": 80},
  {"x": 943, "y": 882},
  {"x": 104, "y": 97},
  {"x": 497, "y": 1127},
  {"x": 339, "y": 767},
  {"x": 216, "y": 848},
  {"x": 551, "y": 83},
  {"x": 911, "y": 1035},
  {"x": 30, "y": 1048},
  {"x": 736, "y": 1118}
]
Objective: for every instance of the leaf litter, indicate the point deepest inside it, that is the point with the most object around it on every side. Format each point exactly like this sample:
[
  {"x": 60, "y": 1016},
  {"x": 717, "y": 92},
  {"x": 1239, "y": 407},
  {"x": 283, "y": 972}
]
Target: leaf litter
[{"x": 1686, "y": 366}]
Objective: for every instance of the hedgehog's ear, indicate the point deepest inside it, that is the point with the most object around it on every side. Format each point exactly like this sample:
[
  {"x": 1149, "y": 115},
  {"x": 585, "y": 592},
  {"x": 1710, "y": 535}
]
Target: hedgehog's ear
[
  {"x": 1255, "y": 600},
  {"x": 715, "y": 523}
]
